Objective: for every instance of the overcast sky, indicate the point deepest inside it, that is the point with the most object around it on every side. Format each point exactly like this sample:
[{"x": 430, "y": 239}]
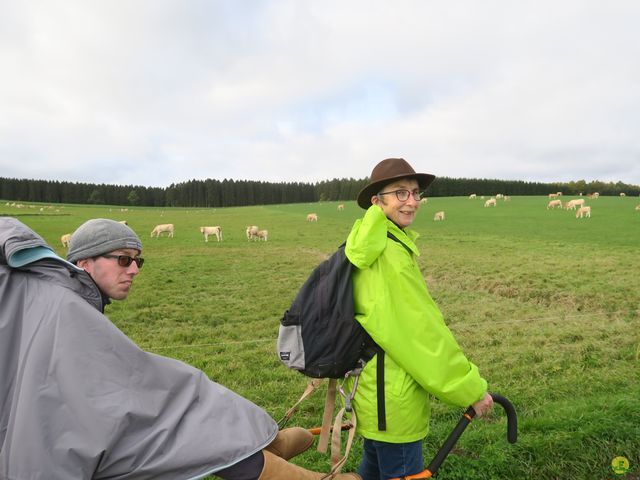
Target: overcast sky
[{"x": 154, "y": 92}]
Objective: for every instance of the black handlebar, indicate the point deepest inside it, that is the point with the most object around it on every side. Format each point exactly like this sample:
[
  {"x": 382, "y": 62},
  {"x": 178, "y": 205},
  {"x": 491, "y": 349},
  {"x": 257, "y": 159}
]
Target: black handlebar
[
  {"x": 512, "y": 418},
  {"x": 512, "y": 430}
]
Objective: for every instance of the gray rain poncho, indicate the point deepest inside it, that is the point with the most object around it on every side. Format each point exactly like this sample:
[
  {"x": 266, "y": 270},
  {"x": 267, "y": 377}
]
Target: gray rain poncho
[{"x": 79, "y": 400}]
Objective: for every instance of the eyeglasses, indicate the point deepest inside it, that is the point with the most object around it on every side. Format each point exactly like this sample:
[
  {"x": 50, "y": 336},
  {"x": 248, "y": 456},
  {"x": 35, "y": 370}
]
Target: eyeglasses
[
  {"x": 126, "y": 260},
  {"x": 403, "y": 194}
]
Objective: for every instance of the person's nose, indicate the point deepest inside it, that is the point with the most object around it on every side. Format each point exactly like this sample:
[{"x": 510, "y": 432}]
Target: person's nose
[
  {"x": 133, "y": 269},
  {"x": 412, "y": 201}
]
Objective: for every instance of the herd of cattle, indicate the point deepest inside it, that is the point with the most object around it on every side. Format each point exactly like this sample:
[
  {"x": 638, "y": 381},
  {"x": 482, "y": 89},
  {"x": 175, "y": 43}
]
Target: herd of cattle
[
  {"x": 582, "y": 210},
  {"x": 253, "y": 232}
]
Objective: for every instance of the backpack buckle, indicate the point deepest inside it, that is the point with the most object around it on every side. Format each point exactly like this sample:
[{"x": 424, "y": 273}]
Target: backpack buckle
[{"x": 348, "y": 397}]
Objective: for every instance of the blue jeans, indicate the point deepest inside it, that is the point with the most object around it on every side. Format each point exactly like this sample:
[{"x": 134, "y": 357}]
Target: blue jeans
[{"x": 382, "y": 460}]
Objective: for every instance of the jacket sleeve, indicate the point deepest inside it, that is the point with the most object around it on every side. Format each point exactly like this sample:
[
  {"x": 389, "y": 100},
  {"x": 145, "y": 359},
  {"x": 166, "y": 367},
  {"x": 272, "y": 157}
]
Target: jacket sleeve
[{"x": 368, "y": 238}]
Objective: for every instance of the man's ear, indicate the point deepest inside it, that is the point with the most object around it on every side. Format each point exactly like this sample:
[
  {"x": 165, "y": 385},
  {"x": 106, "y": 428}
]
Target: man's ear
[
  {"x": 375, "y": 199},
  {"x": 83, "y": 263}
]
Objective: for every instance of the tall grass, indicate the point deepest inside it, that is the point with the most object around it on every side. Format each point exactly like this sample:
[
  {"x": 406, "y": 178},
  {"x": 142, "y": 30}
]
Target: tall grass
[{"x": 546, "y": 304}]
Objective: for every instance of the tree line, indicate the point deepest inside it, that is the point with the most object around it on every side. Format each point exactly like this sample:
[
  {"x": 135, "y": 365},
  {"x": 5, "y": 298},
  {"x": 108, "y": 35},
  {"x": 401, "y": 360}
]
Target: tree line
[{"x": 232, "y": 193}]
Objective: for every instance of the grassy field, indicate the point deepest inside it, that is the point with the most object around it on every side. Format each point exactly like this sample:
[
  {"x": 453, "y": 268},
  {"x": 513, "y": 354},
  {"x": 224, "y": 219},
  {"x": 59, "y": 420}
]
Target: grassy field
[{"x": 546, "y": 304}]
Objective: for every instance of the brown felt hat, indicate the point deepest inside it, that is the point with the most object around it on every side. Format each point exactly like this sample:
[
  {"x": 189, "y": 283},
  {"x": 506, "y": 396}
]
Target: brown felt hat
[{"x": 388, "y": 171}]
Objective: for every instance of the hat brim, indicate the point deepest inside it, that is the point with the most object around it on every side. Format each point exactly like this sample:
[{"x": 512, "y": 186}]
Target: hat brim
[{"x": 364, "y": 197}]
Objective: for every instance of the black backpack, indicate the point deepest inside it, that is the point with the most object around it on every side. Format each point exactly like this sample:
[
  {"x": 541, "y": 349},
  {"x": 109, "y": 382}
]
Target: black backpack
[{"x": 319, "y": 335}]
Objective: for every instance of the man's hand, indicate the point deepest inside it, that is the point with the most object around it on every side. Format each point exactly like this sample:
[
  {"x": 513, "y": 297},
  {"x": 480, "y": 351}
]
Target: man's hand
[{"x": 483, "y": 406}]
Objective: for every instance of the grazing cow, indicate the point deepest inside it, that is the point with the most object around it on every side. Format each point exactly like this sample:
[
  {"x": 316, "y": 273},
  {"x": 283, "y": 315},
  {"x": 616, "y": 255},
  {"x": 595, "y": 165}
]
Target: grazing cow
[
  {"x": 65, "y": 239},
  {"x": 554, "y": 204},
  {"x": 206, "y": 231},
  {"x": 583, "y": 211},
  {"x": 438, "y": 216},
  {"x": 490, "y": 203},
  {"x": 252, "y": 232},
  {"x": 637, "y": 207},
  {"x": 572, "y": 204},
  {"x": 622, "y": 194},
  {"x": 473, "y": 195},
  {"x": 163, "y": 228},
  {"x": 341, "y": 207},
  {"x": 553, "y": 195},
  {"x": 312, "y": 217},
  {"x": 423, "y": 201},
  {"x": 124, "y": 222},
  {"x": 262, "y": 235}
]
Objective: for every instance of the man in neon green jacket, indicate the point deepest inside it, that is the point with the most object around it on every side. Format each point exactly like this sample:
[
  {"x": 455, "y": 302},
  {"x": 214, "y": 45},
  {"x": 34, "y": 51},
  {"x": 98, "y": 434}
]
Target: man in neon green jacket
[{"x": 393, "y": 305}]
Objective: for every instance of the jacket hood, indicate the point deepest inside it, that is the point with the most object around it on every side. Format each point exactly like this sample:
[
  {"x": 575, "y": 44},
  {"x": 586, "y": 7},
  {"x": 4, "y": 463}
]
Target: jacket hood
[{"x": 22, "y": 248}]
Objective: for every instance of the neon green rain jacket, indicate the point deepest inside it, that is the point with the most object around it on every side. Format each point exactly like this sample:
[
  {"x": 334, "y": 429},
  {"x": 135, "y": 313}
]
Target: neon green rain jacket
[{"x": 422, "y": 357}]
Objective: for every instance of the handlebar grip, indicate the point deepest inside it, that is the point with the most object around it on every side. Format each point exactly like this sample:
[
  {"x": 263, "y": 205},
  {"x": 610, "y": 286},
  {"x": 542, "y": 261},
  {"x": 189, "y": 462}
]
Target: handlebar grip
[{"x": 512, "y": 418}]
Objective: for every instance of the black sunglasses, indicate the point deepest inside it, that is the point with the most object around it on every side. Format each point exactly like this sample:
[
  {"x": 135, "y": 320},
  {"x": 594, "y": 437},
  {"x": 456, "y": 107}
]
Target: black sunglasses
[{"x": 126, "y": 260}]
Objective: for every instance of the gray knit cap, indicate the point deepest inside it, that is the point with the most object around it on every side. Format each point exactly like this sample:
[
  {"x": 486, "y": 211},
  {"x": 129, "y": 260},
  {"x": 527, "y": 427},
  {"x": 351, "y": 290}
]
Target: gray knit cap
[{"x": 98, "y": 236}]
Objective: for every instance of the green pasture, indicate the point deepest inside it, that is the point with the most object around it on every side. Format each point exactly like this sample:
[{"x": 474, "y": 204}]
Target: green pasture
[{"x": 545, "y": 304}]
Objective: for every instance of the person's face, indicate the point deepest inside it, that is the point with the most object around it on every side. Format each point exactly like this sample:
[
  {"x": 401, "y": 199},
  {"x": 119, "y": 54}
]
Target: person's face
[
  {"x": 112, "y": 279},
  {"x": 402, "y": 213}
]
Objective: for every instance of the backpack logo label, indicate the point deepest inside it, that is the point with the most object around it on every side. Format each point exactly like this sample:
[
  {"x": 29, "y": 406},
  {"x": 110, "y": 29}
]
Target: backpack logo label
[{"x": 285, "y": 356}]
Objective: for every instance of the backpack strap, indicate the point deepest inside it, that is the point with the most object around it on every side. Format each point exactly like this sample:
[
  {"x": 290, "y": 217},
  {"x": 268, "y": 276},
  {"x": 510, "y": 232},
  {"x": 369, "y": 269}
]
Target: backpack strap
[
  {"x": 395, "y": 239},
  {"x": 312, "y": 386},
  {"x": 327, "y": 417},
  {"x": 382, "y": 408},
  {"x": 337, "y": 461}
]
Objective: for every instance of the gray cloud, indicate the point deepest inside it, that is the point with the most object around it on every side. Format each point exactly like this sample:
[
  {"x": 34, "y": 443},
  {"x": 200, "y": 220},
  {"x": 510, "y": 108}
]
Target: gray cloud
[{"x": 158, "y": 92}]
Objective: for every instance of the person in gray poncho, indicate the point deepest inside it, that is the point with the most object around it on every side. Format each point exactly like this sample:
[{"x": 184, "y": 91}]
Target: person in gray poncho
[{"x": 79, "y": 400}]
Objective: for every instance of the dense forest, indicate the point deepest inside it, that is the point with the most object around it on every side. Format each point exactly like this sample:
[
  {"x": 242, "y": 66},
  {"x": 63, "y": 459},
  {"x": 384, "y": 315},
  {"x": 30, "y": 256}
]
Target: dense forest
[{"x": 229, "y": 193}]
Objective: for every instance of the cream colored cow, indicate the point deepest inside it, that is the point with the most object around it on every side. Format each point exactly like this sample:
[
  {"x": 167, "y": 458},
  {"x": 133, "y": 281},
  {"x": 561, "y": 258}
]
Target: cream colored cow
[
  {"x": 490, "y": 203},
  {"x": 438, "y": 216},
  {"x": 554, "y": 204},
  {"x": 341, "y": 207},
  {"x": 163, "y": 228},
  {"x": 312, "y": 217},
  {"x": 572, "y": 204},
  {"x": 473, "y": 195},
  {"x": 252, "y": 232},
  {"x": 65, "y": 239},
  {"x": 424, "y": 201},
  {"x": 206, "y": 231},
  {"x": 637, "y": 207},
  {"x": 583, "y": 211},
  {"x": 263, "y": 235}
]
